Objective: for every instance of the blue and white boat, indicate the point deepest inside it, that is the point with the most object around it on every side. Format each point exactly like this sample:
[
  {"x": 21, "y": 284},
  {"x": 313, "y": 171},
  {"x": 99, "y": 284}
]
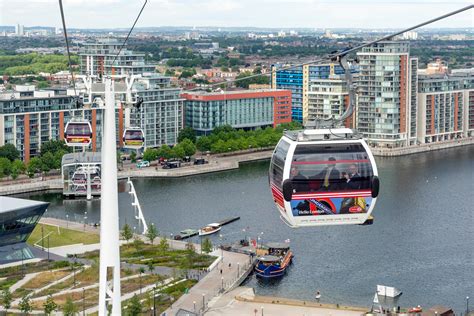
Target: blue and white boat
[{"x": 275, "y": 263}]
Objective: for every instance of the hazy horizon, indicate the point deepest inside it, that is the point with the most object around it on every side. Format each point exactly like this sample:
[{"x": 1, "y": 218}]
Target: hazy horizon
[{"x": 287, "y": 14}]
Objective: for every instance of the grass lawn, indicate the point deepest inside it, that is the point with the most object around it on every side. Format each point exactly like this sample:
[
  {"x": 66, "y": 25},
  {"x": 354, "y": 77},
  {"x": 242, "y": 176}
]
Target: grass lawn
[
  {"x": 143, "y": 253},
  {"x": 61, "y": 236}
]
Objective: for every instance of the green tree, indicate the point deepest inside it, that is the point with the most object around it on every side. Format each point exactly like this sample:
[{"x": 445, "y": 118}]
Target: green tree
[
  {"x": 150, "y": 154},
  {"x": 165, "y": 151},
  {"x": 204, "y": 143},
  {"x": 178, "y": 151},
  {"x": 187, "y": 132},
  {"x": 134, "y": 306},
  {"x": 188, "y": 147},
  {"x": 35, "y": 165},
  {"x": 54, "y": 146},
  {"x": 49, "y": 305},
  {"x": 127, "y": 233},
  {"x": 151, "y": 268},
  {"x": 48, "y": 161},
  {"x": 141, "y": 270},
  {"x": 207, "y": 245},
  {"x": 151, "y": 233},
  {"x": 25, "y": 305},
  {"x": 170, "y": 72},
  {"x": 133, "y": 157},
  {"x": 163, "y": 246},
  {"x": 6, "y": 299},
  {"x": 58, "y": 157},
  {"x": 69, "y": 308},
  {"x": 9, "y": 151},
  {"x": 190, "y": 253},
  {"x": 42, "y": 84},
  {"x": 5, "y": 167}
]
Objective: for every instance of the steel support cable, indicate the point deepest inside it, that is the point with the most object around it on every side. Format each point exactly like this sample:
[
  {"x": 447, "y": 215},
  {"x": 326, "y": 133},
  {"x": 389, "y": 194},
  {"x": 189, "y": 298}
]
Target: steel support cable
[{"x": 344, "y": 52}]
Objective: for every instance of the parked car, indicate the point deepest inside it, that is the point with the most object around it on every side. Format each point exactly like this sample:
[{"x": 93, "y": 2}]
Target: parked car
[
  {"x": 172, "y": 164},
  {"x": 187, "y": 159},
  {"x": 200, "y": 161},
  {"x": 143, "y": 164}
]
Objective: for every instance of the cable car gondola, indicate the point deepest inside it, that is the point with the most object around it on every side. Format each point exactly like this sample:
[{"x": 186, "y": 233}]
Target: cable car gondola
[
  {"x": 133, "y": 138},
  {"x": 323, "y": 177},
  {"x": 78, "y": 133}
]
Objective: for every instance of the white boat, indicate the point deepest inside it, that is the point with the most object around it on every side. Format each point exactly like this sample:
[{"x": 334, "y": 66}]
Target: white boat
[
  {"x": 210, "y": 229},
  {"x": 388, "y": 291}
]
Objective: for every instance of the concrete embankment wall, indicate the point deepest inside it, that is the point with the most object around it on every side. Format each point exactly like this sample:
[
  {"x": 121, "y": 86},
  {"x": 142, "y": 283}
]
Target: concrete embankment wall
[
  {"x": 393, "y": 152},
  {"x": 293, "y": 302}
]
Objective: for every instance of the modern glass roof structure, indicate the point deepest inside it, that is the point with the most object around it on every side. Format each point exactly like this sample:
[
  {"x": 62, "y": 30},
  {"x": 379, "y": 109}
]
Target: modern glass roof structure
[{"x": 18, "y": 218}]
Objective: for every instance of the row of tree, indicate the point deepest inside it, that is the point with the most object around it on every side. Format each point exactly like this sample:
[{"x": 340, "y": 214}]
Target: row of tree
[
  {"x": 50, "y": 158},
  {"x": 184, "y": 148},
  {"x": 227, "y": 139},
  {"x": 49, "y": 306},
  {"x": 23, "y": 64}
]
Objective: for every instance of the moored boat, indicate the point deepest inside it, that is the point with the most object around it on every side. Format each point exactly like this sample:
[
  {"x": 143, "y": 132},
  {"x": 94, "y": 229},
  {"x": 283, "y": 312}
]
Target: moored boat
[
  {"x": 275, "y": 263},
  {"x": 210, "y": 229}
]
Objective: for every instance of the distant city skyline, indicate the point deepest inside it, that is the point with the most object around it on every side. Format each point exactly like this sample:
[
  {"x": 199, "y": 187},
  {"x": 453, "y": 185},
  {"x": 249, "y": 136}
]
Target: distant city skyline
[{"x": 371, "y": 14}]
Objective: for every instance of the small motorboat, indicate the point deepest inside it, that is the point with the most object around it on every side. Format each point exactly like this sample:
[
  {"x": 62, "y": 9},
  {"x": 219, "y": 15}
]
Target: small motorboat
[{"x": 210, "y": 229}]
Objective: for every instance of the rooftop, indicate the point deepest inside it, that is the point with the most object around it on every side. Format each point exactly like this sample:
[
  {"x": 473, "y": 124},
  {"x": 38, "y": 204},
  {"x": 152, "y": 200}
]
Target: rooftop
[
  {"x": 85, "y": 157},
  {"x": 10, "y": 204}
]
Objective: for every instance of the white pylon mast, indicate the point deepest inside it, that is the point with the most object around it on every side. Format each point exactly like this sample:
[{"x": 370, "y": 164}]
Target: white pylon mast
[{"x": 109, "y": 289}]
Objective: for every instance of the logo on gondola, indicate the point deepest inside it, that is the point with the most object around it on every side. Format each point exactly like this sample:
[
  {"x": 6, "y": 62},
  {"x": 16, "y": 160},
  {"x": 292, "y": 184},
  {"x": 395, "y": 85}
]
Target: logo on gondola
[
  {"x": 355, "y": 209},
  {"x": 77, "y": 139}
]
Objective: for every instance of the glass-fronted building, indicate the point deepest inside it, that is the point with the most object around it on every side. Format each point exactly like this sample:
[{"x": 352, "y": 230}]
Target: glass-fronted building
[
  {"x": 244, "y": 109},
  {"x": 298, "y": 80},
  {"x": 29, "y": 118},
  {"x": 386, "y": 110},
  {"x": 446, "y": 106},
  {"x": 18, "y": 218},
  {"x": 161, "y": 114}
]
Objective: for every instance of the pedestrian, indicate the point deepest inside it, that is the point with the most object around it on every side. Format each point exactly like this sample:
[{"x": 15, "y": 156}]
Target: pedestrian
[
  {"x": 221, "y": 271},
  {"x": 230, "y": 265}
]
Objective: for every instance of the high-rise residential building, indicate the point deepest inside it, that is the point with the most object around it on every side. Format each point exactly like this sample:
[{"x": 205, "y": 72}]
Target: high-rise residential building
[
  {"x": 245, "y": 109},
  {"x": 96, "y": 59},
  {"x": 297, "y": 80},
  {"x": 161, "y": 114},
  {"x": 28, "y": 118},
  {"x": 328, "y": 98},
  {"x": 445, "y": 106},
  {"x": 19, "y": 30},
  {"x": 387, "y": 107}
]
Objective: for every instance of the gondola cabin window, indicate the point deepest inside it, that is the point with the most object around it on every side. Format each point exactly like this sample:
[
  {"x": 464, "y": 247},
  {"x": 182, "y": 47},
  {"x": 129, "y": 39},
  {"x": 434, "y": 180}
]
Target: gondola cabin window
[
  {"x": 330, "y": 167},
  {"x": 278, "y": 163}
]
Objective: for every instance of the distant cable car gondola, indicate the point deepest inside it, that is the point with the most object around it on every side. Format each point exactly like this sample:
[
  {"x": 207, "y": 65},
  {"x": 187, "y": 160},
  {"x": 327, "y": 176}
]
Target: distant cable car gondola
[
  {"x": 323, "y": 177},
  {"x": 134, "y": 138},
  {"x": 78, "y": 133}
]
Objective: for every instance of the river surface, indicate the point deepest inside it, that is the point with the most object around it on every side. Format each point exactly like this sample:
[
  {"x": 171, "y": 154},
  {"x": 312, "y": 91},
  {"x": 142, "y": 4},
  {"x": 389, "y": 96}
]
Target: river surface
[{"x": 422, "y": 241}]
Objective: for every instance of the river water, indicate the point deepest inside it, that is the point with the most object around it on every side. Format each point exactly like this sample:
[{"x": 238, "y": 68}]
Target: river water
[{"x": 422, "y": 240}]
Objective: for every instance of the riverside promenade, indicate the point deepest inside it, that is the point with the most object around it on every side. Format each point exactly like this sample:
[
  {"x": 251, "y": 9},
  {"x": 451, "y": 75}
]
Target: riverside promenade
[
  {"x": 216, "y": 164},
  {"x": 242, "y": 301},
  {"x": 227, "y": 272}
]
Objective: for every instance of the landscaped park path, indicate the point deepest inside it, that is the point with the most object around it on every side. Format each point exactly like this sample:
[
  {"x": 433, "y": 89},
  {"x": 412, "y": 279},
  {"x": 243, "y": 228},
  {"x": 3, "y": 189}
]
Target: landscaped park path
[{"x": 225, "y": 275}]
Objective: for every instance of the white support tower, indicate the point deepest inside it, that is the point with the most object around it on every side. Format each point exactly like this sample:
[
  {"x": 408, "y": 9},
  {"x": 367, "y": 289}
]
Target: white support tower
[{"x": 109, "y": 289}]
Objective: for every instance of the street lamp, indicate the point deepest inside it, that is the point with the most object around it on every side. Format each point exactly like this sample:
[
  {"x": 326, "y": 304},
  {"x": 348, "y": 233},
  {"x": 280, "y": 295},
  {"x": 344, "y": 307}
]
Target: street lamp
[
  {"x": 154, "y": 301},
  {"x": 238, "y": 269},
  {"x": 67, "y": 221},
  {"x": 467, "y": 305},
  {"x": 222, "y": 279},
  {"x": 261, "y": 308},
  {"x": 194, "y": 304},
  {"x": 203, "y": 302}
]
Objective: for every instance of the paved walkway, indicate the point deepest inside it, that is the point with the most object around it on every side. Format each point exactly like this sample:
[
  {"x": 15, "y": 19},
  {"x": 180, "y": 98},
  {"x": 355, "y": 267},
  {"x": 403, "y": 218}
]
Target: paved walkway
[
  {"x": 230, "y": 306},
  {"x": 213, "y": 283},
  {"x": 70, "y": 225}
]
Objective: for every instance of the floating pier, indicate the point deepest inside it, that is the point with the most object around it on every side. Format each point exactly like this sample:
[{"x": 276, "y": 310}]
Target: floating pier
[{"x": 188, "y": 233}]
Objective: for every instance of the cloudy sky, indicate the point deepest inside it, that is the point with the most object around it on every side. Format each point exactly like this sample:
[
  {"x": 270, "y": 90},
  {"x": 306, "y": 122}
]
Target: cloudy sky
[{"x": 260, "y": 13}]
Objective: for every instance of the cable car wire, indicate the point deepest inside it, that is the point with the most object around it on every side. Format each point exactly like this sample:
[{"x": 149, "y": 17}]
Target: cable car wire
[
  {"x": 67, "y": 46},
  {"x": 129, "y": 32},
  {"x": 335, "y": 56}
]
